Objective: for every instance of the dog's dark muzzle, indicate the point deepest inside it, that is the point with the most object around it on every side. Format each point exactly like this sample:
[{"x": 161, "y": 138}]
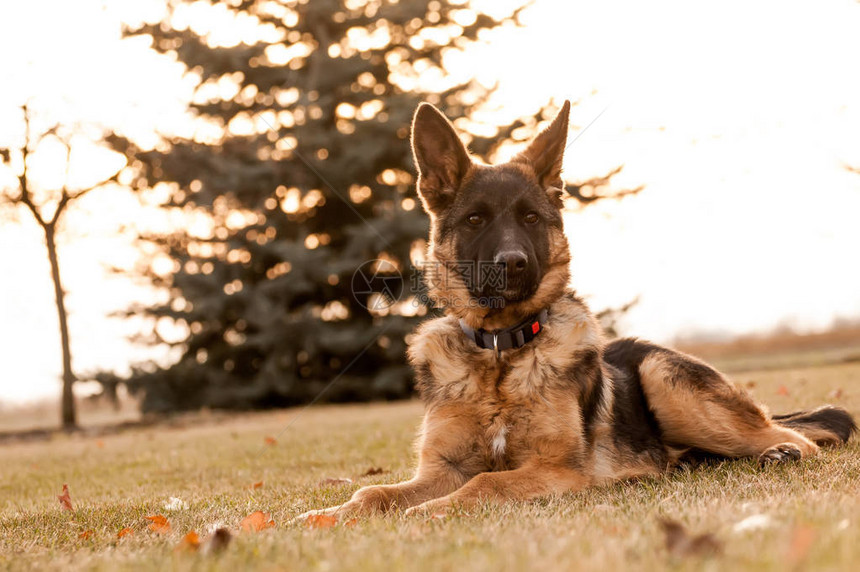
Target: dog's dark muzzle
[{"x": 512, "y": 276}]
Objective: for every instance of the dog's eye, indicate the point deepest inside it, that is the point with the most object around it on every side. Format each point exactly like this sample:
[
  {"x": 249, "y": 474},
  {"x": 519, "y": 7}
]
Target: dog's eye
[
  {"x": 475, "y": 219},
  {"x": 531, "y": 218}
]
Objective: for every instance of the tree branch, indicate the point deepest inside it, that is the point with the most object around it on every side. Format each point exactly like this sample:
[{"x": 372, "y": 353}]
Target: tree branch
[
  {"x": 598, "y": 182},
  {"x": 68, "y": 194},
  {"x": 68, "y": 146},
  {"x": 26, "y": 196}
]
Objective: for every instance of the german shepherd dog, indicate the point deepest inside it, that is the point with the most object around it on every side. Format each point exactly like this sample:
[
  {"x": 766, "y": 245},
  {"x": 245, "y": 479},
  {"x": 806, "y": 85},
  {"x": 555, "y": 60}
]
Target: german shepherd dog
[{"x": 526, "y": 398}]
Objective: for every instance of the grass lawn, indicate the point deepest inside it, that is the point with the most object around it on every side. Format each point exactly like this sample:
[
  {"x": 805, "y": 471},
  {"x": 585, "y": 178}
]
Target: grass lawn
[{"x": 810, "y": 510}]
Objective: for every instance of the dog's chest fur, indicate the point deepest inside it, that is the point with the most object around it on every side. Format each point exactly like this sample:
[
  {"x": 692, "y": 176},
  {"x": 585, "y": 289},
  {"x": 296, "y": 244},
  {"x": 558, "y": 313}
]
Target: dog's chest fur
[{"x": 520, "y": 405}]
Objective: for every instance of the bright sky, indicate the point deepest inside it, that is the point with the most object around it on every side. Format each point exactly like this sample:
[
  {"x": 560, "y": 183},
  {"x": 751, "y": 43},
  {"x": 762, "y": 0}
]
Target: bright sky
[{"x": 737, "y": 116}]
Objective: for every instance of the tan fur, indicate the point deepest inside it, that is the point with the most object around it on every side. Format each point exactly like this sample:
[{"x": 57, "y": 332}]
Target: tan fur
[
  {"x": 732, "y": 424},
  {"x": 549, "y": 417}
]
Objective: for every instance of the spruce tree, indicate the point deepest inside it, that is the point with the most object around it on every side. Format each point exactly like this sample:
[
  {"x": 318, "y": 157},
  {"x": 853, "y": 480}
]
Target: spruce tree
[{"x": 308, "y": 178}]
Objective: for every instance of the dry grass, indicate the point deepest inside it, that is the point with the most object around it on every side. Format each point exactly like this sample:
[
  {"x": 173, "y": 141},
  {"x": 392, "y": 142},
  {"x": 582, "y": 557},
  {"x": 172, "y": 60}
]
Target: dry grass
[
  {"x": 44, "y": 415},
  {"x": 117, "y": 480},
  {"x": 779, "y": 349}
]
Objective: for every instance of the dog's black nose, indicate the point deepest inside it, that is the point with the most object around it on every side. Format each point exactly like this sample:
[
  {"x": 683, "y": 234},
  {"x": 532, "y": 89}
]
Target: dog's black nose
[{"x": 514, "y": 260}]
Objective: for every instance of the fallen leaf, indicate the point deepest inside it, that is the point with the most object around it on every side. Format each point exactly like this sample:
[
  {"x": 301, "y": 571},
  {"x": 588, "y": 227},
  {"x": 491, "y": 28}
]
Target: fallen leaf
[
  {"x": 615, "y": 530},
  {"x": 257, "y": 485},
  {"x": 334, "y": 481},
  {"x": 219, "y": 540},
  {"x": 783, "y": 390},
  {"x": 175, "y": 503},
  {"x": 751, "y": 384},
  {"x": 100, "y": 444},
  {"x": 321, "y": 521},
  {"x": 801, "y": 542},
  {"x": 351, "y": 522},
  {"x": 159, "y": 524},
  {"x": 270, "y": 441},
  {"x": 65, "y": 499},
  {"x": 124, "y": 532},
  {"x": 256, "y": 521},
  {"x": 87, "y": 534},
  {"x": 753, "y": 522},
  {"x": 373, "y": 471},
  {"x": 681, "y": 543},
  {"x": 190, "y": 542},
  {"x": 835, "y": 394}
]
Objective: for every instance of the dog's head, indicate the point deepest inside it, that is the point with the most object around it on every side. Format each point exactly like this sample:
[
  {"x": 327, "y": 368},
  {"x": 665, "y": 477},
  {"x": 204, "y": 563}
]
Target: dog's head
[{"x": 497, "y": 248}]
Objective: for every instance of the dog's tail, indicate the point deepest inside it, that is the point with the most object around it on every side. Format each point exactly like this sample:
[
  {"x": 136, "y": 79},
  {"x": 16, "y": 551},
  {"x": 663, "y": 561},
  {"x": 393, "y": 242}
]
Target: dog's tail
[{"x": 827, "y": 425}]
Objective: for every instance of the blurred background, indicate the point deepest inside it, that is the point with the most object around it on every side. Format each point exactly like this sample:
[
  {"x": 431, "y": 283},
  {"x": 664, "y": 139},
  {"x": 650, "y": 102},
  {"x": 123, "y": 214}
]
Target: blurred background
[{"x": 188, "y": 188}]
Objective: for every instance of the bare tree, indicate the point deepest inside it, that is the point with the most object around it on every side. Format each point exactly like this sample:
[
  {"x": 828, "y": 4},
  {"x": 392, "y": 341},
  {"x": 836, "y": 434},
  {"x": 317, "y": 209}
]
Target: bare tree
[{"x": 24, "y": 194}]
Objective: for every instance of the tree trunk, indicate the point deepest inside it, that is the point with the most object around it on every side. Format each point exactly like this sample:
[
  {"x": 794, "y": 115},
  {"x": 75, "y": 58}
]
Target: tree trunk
[{"x": 68, "y": 401}]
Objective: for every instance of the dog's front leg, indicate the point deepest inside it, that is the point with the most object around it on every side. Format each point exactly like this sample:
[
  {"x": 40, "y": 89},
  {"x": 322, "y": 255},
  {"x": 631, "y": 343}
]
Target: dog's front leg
[
  {"x": 434, "y": 479},
  {"x": 446, "y": 462},
  {"x": 525, "y": 483}
]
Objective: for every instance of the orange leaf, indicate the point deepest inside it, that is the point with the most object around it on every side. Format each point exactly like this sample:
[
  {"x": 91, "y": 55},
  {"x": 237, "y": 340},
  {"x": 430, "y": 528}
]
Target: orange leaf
[
  {"x": 802, "y": 540},
  {"x": 85, "y": 535},
  {"x": 270, "y": 440},
  {"x": 351, "y": 522},
  {"x": 256, "y": 521},
  {"x": 100, "y": 444},
  {"x": 158, "y": 524},
  {"x": 782, "y": 390},
  {"x": 124, "y": 532},
  {"x": 257, "y": 485},
  {"x": 190, "y": 542},
  {"x": 321, "y": 521},
  {"x": 65, "y": 499}
]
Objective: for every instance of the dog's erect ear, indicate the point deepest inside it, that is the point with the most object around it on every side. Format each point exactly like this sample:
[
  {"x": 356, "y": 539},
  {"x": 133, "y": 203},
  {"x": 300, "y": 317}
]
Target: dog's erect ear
[
  {"x": 440, "y": 156},
  {"x": 546, "y": 152}
]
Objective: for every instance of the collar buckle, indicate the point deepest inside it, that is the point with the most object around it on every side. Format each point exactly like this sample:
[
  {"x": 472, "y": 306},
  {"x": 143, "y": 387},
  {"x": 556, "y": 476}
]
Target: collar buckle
[{"x": 507, "y": 338}]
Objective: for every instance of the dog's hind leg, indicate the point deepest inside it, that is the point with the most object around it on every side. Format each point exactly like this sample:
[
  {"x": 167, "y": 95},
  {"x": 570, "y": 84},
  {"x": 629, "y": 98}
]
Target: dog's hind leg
[{"x": 696, "y": 406}]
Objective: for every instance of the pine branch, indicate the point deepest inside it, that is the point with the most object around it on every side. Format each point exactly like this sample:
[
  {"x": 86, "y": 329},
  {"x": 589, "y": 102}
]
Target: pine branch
[{"x": 575, "y": 190}]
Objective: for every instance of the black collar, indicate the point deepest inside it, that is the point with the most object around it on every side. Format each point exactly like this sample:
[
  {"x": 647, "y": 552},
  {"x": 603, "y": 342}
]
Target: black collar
[{"x": 507, "y": 338}]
